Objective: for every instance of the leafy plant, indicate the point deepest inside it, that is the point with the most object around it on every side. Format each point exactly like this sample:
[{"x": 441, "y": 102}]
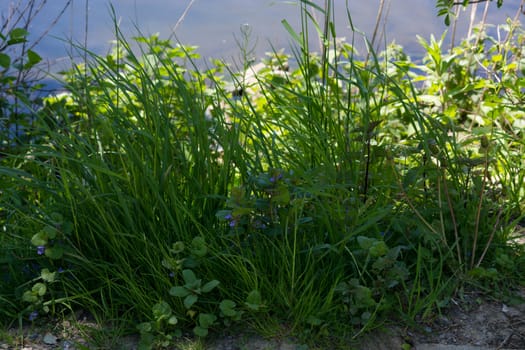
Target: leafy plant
[{"x": 446, "y": 7}]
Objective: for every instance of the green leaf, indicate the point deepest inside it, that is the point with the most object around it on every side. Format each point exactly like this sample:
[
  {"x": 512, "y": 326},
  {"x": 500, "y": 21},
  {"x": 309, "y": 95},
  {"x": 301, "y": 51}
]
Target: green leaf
[
  {"x": 18, "y": 33},
  {"x": 55, "y": 216},
  {"x": 50, "y": 231},
  {"x": 365, "y": 242},
  {"x": 305, "y": 220},
  {"x": 379, "y": 248},
  {"x": 32, "y": 59},
  {"x": 314, "y": 321},
  {"x": 54, "y": 253},
  {"x": 200, "y": 332},
  {"x": 194, "y": 287},
  {"x": 292, "y": 32},
  {"x": 190, "y": 300},
  {"x": 16, "y": 41},
  {"x": 209, "y": 286},
  {"x": 48, "y": 276},
  {"x": 382, "y": 263},
  {"x": 240, "y": 211},
  {"x": 39, "y": 239},
  {"x": 179, "y": 291},
  {"x": 17, "y": 36},
  {"x": 363, "y": 297},
  {"x": 189, "y": 276},
  {"x": 169, "y": 263},
  {"x": 39, "y": 289},
  {"x": 207, "y": 320},
  {"x": 173, "y": 320},
  {"x": 147, "y": 341},
  {"x": 223, "y": 214},
  {"x": 228, "y": 308},
  {"x": 144, "y": 327},
  {"x": 282, "y": 195},
  {"x": 177, "y": 247},
  {"x": 67, "y": 228},
  {"x": 5, "y": 60},
  {"x": 29, "y": 297},
  {"x": 199, "y": 247},
  {"x": 161, "y": 310},
  {"x": 254, "y": 300},
  {"x": 189, "y": 262}
]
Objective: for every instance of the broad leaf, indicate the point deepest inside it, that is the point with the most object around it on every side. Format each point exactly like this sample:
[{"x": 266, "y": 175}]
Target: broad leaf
[
  {"x": 207, "y": 320},
  {"x": 144, "y": 327},
  {"x": 48, "y": 276},
  {"x": 189, "y": 276},
  {"x": 228, "y": 308},
  {"x": 39, "y": 289},
  {"x": 365, "y": 242},
  {"x": 29, "y": 297},
  {"x": 5, "y": 60},
  {"x": 200, "y": 332},
  {"x": 179, "y": 291},
  {"x": 54, "y": 253},
  {"x": 379, "y": 248},
  {"x": 198, "y": 246},
  {"x": 208, "y": 287},
  {"x": 39, "y": 239},
  {"x": 161, "y": 310},
  {"x": 190, "y": 300},
  {"x": 173, "y": 320},
  {"x": 32, "y": 59},
  {"x": 254, "y": 300}
]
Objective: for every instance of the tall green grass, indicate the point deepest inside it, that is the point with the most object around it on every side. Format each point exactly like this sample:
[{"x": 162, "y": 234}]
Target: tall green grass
[{"x": 327, "y": 196}]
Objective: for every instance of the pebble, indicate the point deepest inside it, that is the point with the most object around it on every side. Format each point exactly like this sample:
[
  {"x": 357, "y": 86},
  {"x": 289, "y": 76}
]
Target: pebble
[
  {"x": 510, "y": 311},
  {"x": 50, "y": 339}
]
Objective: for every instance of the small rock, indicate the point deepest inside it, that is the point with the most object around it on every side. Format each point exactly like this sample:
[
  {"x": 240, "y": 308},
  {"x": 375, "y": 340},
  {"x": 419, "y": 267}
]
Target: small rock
[
  {"x": 510, "y": 312},
  {"x": 67, "y": 345},
  {"x": 50, "y": 339}
]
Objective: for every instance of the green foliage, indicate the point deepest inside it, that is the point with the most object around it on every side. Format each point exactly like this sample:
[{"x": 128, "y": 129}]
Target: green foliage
[
  {"x": 325, "y": 195},
  {"x": 199, "y": 300},
  {"x": 446, "y": 7},
  {"x": 17, "y": 87},
  {"x": 156, "y": 334}
]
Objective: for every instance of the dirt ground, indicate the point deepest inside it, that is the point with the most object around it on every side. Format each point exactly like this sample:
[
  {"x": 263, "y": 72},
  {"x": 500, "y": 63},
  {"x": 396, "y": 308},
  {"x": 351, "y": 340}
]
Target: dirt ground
[
  {"x": 474, "y": 322},
  {"x": 480, "y": 322}
]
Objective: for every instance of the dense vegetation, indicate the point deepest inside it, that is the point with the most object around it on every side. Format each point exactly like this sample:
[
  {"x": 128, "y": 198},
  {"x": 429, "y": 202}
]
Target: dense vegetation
[{"x": 326, "y": 192}]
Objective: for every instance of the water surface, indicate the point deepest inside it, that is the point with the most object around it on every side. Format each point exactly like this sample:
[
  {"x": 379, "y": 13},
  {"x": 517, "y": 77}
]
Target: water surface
[{"x": 214, "y": 25}]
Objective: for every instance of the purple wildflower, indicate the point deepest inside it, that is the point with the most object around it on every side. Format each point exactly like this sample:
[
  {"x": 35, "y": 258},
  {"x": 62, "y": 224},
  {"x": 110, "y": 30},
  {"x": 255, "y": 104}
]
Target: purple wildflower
[
  {"x": 33, "y": 315},
  {"x": 40, "y": 249},
  {"x": 276, "y": 178},
  {"x": 233, "y": 223},
  {"x": 259, "y": 225},
  {"x": 228, "y": 217}
]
